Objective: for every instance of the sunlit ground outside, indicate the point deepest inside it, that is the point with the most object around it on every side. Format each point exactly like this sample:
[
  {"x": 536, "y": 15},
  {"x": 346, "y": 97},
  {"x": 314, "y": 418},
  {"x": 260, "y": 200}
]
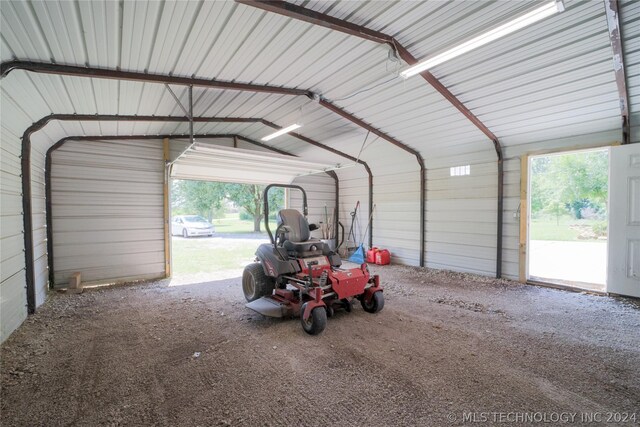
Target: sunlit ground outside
[{"x": 568, "y": 224}]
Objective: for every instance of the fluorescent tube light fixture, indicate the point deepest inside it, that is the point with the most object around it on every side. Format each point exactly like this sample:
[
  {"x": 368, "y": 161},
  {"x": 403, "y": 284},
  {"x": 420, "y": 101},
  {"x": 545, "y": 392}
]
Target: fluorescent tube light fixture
[
  {"x": 527, "y": 19},
  {"x": 281, "y": 132}
]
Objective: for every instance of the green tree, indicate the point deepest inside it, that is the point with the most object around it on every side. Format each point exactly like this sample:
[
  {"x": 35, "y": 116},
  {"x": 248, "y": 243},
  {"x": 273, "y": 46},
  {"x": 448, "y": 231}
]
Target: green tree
[
  {"x": 569, "y": 183},
  {"x": 201, "y": 197},
  {"x": 206, "y": 198},
  {"x": 250, "y": 198}
]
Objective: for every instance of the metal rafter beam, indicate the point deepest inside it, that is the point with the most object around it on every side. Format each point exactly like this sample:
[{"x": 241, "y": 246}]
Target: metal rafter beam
[
  {"x": 317, "y": 18},
  {"x": 613, "y": 23},
  {"x": 104, "y": 73}
]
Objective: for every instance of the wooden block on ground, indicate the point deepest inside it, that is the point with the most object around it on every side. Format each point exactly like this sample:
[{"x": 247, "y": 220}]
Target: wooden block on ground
[{"x": 75, "y": 281}]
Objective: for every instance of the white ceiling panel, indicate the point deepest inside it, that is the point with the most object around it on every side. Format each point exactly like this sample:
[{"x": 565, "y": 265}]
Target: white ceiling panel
[{"x": 548, "y": 79}]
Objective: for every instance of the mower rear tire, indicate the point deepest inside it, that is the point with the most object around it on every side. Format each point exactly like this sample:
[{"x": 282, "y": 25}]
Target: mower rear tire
[
  {"x": 316, "y": 322},
  {"x": 255, "y": 283},
  {"x": 375, "y": 305}
]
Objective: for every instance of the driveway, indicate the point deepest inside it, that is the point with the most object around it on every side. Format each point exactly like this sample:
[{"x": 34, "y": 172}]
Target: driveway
[{"x": 584, "y": 262}]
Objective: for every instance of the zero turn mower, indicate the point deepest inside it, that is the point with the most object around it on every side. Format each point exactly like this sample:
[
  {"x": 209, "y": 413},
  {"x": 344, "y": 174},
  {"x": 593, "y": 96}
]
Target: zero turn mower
[{"x": 296, "y": 275}]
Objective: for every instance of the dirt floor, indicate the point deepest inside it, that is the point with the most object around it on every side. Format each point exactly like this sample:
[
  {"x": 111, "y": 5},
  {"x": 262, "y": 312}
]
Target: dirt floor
[{"x": 446, "y": 346}]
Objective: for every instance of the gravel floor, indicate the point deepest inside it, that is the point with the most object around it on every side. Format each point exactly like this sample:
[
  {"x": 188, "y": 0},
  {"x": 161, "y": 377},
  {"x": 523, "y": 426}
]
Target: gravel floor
[{"x": 446, "y": 346}]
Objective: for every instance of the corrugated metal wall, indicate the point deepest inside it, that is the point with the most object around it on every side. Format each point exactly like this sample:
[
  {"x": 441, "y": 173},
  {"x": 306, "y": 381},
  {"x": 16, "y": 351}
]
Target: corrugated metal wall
[
  {"x": 107, "y": 207},
  {"x": 354, "y": 187},
  {"x": 396, "y": 198},
  {"x": 13, "y": 297},
  {"x": 321, "y": 192},
  {"x": 461, "y": 219},
  {"x": 461, "y": 211}
]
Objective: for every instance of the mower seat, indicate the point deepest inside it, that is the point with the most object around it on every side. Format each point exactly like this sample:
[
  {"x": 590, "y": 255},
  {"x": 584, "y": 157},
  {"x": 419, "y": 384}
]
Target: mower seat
[{"x": 297, "y": 239}]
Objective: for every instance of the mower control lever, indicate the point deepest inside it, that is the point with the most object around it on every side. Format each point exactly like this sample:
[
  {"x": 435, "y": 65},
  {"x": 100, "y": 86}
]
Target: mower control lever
[{"x": 310, "y": 266}]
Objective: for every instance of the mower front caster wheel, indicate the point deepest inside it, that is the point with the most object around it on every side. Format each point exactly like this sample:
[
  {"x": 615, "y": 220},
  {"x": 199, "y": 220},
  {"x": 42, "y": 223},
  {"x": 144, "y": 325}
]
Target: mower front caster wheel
[
  {"x": 375, "y": 305},
  {"x": 316, "y": 322}
]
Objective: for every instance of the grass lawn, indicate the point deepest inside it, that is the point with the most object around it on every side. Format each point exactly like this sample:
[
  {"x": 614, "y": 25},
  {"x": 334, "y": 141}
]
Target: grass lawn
[
  {"x": 207, "y": 255},
  {"x": 222, "y": 252},
  {"x": 549, "y": 229},
  {"x": 232, "y": 224}
]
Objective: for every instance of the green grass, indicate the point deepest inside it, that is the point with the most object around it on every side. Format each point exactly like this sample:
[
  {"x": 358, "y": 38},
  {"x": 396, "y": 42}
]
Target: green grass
[
  {"x": 232, "y": 224},
  {"x": 547, "y": 228},
  {"x": 201, "y": 254},
  {"x": 208, "y": 255}
]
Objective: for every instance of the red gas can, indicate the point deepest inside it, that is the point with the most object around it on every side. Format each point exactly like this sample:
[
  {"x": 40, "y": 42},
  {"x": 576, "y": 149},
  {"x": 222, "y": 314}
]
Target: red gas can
[
  {"x": 383, "y": 257},
  {"x": 371, "y": 255}
]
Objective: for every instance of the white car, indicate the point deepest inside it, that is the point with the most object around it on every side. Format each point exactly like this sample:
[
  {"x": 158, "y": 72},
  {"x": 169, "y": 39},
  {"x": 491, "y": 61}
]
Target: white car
[{"x": 191, "y": 225}]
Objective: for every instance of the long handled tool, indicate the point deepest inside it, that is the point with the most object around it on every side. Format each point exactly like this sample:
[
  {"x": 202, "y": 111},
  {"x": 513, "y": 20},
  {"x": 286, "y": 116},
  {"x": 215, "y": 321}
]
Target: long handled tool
[
  {"x": 366, "y": 230},
  {"x": 351, "y": 229},
  {"x": 358, "y": 255}
]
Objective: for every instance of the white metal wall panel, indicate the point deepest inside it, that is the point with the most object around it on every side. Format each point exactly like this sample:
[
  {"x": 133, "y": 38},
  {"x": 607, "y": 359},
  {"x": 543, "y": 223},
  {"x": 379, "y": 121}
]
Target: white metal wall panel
[
  {"x": 13, "y": 303},
  {"x": 461, "y": 219},
  {"x": 107, "y": 207},
  {"x": 321, "y": 192},
  {"x": 354, "y": 187},
  {"x": 13, "y": 297},
  {"x": 396, "y": 196}
]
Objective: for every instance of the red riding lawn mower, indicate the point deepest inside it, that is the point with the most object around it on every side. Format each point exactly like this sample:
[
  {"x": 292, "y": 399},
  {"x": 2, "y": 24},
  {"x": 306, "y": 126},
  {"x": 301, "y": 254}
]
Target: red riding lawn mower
[{"x": 296, "y": 275}]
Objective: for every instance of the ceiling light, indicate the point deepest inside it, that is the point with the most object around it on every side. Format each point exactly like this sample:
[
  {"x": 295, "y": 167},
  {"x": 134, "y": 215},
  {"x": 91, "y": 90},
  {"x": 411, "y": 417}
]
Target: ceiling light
[
  {"x": 504, "y": 29},
  {"x": 281, "y": 132}
]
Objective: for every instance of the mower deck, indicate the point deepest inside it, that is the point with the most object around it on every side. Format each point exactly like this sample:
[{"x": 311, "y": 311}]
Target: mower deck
[{"x": 267, "y": 306}]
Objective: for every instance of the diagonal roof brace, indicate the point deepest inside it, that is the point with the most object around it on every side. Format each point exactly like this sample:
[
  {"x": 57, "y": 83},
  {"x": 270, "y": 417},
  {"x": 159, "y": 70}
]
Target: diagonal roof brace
[{"x": 188, "y": 113}]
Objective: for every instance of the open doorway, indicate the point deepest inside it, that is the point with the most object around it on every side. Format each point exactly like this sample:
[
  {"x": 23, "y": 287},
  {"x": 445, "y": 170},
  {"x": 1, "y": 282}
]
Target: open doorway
[
  {"x": 216, "y": 227},
  {"x": 568, "y": 217}
]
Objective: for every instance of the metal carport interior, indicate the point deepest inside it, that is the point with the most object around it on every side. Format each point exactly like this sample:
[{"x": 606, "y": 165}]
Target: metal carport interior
[{"x": 98, "y": 97}]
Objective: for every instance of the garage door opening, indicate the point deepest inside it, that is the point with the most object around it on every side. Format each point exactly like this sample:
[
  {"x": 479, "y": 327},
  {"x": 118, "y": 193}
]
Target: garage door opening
[
  {"x": 216, "y": 227},
  {"x": 568, "y": 217}
]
